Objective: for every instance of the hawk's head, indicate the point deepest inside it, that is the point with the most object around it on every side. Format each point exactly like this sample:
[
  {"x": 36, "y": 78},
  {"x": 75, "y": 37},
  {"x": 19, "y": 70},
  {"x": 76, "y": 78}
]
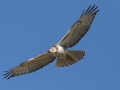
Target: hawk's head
[{"x": 53, "y": 49}]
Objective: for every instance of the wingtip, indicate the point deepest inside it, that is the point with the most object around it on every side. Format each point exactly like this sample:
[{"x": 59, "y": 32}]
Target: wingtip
[
  {"x": 92, "y": 9},
  {"x": 8, "y": 74},
  {"x": 7, "y": 77}
]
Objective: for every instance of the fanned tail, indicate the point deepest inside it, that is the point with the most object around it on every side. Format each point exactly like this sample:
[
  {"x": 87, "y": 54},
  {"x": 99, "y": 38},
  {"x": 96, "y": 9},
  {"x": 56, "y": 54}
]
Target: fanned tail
[{"x": 71, "y": 57}]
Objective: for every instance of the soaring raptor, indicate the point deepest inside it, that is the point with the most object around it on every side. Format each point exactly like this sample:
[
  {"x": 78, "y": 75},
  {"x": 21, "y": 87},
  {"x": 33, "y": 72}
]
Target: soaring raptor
[{"x": 60, "y": 51}]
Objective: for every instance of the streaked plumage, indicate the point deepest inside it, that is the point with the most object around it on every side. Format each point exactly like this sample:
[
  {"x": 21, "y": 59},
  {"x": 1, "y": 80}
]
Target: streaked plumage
[{"x": 64, "y": 57}]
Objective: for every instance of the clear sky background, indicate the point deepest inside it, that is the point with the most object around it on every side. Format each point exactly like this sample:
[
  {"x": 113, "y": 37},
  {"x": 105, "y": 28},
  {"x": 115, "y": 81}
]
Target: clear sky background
[{"x": 30, "y": 27}]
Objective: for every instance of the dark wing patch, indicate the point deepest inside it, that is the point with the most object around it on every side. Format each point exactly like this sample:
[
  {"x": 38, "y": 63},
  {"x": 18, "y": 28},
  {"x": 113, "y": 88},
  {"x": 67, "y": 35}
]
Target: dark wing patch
[
  {"x": 30, "y": 65},
  {"x": 79, "y": 28}
]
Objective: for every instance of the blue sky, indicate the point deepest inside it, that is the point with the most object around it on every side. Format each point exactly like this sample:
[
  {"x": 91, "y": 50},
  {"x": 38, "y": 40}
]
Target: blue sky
[{"x": 30, "y": 27}]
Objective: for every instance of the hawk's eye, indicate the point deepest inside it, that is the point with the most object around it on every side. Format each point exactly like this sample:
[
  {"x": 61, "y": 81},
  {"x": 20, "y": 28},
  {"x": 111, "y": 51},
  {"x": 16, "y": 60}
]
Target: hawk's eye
[{"x": 52, "y": 49}]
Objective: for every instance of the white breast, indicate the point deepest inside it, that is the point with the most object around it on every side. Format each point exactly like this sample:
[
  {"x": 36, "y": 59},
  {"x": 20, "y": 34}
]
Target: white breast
[{"x": 60, "y": 49}]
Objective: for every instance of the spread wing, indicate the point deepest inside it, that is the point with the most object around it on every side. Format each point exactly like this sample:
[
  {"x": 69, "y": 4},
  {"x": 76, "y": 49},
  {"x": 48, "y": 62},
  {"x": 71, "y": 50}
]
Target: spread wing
[
  {"x": 30, "y": 65},
  {"x": 79, "y": 28}
]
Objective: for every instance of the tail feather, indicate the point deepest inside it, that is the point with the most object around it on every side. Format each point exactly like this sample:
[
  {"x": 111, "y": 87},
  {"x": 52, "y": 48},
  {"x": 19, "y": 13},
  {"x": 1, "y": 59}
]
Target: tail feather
[
  {"x": 61, "y": 62},
  {"x": 70, "y": 58},
  {"x": 77, "y": 54}
]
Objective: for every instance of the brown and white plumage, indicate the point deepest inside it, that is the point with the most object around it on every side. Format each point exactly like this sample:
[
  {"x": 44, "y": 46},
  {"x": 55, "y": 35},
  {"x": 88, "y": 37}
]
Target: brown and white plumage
[
  {"x": 30, "y": 65},
  {"x": 64, "y": 57},
  {"x": 79, "y": 28}
]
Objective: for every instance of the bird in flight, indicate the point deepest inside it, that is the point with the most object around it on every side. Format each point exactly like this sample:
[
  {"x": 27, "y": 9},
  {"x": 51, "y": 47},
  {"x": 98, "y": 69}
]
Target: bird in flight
[{"x": 60, "y": 51}]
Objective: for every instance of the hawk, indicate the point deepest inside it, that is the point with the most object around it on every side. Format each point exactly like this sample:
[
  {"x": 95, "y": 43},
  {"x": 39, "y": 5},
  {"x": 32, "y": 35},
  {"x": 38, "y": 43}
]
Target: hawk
[{"x": 60, "y": 51}]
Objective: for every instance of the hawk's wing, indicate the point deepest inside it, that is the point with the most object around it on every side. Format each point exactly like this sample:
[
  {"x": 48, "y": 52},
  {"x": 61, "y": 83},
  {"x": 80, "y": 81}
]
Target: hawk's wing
[
  {"x": 79, "y": 28},
  {"x": 30, "y": 65}
]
